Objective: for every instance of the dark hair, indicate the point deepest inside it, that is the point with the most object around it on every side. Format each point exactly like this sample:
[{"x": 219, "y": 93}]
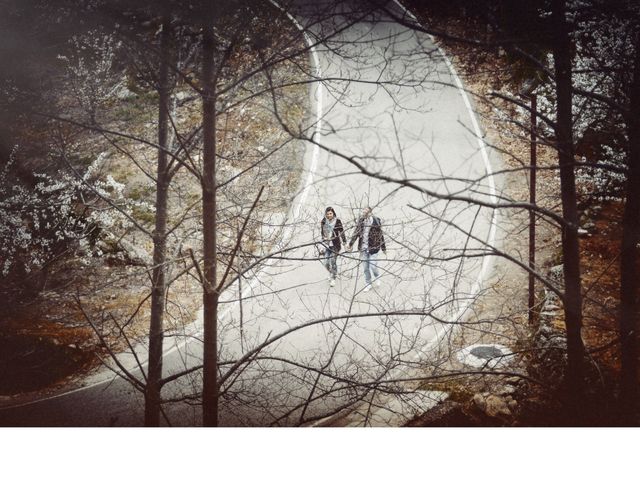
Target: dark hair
[{"x": 330, "y": 209}]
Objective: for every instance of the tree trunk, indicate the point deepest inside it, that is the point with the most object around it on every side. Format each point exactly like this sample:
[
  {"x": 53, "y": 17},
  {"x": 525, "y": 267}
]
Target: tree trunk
[
  {"x": 210, "y": 291},
  {"x": 570, "y": 243},
  {"x": 629, "y": 314},
  {"x": 159, "y": 283}
]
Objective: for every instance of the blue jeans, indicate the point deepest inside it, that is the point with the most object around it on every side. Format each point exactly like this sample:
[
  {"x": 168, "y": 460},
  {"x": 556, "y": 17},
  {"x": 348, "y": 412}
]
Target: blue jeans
[
  {"x": 370, "y": 265},
  {"x": 330, "y": 262}
]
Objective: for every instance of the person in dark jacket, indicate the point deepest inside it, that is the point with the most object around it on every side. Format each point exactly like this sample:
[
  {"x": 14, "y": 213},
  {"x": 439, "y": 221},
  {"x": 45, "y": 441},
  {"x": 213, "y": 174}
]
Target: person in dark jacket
[
  {"x": 332, "y": 237},
  {"x": 370, "y": 241}
]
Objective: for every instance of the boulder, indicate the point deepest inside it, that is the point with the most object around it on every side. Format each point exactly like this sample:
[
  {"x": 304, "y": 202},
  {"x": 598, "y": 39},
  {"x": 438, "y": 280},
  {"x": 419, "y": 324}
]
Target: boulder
[
  {"x": 123, "y": 93},
  {"x": 508, "y": 390},
  {"x": 134, "y": 254},
  {"x": 496, "y": 406},
  {"x": 480, "y": 402}
]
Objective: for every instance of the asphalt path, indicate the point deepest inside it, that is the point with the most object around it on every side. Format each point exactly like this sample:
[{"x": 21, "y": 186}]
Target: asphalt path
[{"x": 390, "y": 103}]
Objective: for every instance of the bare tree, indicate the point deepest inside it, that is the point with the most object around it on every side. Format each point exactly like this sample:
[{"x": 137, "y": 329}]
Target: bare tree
[
  {"x": 210, "y": 288},
  {"x": 163, "y": 179},
  {"x": 571, "y": 253}
]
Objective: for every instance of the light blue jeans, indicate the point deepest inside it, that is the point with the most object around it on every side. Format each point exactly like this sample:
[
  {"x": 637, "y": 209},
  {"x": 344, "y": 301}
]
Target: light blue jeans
[
  {"x": 330, "y": 262},
  {"x": 370, "y": 265}
]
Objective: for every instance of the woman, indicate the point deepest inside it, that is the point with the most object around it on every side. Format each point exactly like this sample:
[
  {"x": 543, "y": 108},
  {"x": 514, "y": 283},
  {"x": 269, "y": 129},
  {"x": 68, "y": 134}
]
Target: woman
[{"x": 332, "y": 237}]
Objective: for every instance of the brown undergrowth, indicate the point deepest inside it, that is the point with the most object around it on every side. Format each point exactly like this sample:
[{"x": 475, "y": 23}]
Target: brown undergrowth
[{"x": 539, "y": 404}]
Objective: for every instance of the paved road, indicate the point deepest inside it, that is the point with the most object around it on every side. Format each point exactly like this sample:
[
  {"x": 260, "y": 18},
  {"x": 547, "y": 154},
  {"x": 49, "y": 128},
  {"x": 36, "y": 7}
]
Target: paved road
[{"x": 391, "y": 105}]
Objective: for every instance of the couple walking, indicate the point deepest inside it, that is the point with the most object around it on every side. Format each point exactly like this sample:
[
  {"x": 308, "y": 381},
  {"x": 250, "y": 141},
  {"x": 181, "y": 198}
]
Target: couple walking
[{"x": 368, "y": 232}]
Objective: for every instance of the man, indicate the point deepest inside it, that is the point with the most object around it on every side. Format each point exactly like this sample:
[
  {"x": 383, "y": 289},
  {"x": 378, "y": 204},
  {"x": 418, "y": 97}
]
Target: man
[
  {"x": 370, "y": 241},
  {"x": 332, "y": 232}
]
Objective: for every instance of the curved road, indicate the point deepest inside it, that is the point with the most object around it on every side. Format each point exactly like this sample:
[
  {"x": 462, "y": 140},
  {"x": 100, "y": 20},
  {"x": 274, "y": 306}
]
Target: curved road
[{"x": 390, "y": 103}]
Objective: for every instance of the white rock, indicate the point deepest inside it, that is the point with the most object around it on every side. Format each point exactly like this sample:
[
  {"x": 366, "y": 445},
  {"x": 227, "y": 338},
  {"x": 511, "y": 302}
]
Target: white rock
[
  {"x": 480, "y": 402},
  {"x": 125, "y": 94},
  {"x": 508, "y": 390},
  {"x": 497, "y": 406}
]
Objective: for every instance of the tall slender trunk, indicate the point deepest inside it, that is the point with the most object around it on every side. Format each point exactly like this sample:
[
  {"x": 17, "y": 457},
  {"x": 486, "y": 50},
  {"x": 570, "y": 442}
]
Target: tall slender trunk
[
  {"x": 570, "y": 243},
  {"x": 629, "y": 314},
  {"x": 210, "y": 291},
  {"x": 159, "y": 282}
]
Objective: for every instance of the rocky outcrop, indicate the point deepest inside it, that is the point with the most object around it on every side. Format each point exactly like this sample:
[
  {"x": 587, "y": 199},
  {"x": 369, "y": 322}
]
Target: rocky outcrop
[
  {"x": 495, "y": 405},
  {"x": 122, "y": 252}
]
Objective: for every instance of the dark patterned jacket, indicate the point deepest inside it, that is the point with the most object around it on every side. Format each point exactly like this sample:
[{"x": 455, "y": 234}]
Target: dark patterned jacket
[
  {"x": 338, "y": 233},
  {"x": 376, "y": 238}
]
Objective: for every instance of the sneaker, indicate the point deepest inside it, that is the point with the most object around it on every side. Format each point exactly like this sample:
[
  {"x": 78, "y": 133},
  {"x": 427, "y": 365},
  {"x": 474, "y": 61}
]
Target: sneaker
[
  {"x": 332, "y": 283},
  {"x": 367, "y": 288}
]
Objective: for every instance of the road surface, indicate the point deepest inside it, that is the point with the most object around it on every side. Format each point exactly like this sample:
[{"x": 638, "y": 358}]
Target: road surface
[{"x": 389, "y": 104}]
